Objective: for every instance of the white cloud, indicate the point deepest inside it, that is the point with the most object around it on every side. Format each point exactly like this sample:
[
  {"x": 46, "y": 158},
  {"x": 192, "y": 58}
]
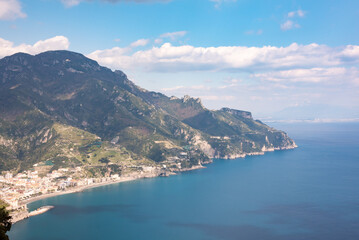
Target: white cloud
[
  {"x": 108, "y": 57},
  {"x": 298, "y": 13},
  {"x": 158, "y": 41},
  {"x": 55, "y": 43},
  {"x": 289, "y": 24},
  {"x": 139, "y": 43},
  {"x": 291, "y": 14},
  {"x": 228, "y": 86},
  {"x": 232, "y": 58},
  {"x": 351, "y": 52},
  {"x": 311, "y": 75},
  {"x": 195, "y": 87},
  {"x": 10, "y": 10},
  {"x": 232, "y": 81},
  {"x": 171, "y": 89},
  {"x": 217, "y": 98},
  {"x": 219, "y": 2},
  {"x": 71, "y": 3},
  {"x": 254, "y": 32},
  {"x": 173, "y": 35}
]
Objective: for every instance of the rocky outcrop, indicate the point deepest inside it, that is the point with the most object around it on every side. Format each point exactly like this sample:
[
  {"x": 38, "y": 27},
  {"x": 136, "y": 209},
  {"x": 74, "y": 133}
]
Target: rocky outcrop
[
  {"x": 19, "y": 215},
  {"x": 238, "y": 113}
]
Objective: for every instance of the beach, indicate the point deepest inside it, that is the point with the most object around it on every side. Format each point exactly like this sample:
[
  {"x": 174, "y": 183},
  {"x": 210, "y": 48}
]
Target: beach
[{"x": 24, "y": 213}]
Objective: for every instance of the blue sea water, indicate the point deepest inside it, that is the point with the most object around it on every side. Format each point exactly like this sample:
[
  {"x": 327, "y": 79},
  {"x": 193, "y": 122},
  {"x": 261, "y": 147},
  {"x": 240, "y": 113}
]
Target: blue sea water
[{"x": 309, "y": 193}]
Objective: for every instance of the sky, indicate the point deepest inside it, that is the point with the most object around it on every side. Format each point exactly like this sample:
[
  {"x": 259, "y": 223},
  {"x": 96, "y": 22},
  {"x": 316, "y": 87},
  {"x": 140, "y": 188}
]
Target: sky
[{"x": 270, "y": 57}]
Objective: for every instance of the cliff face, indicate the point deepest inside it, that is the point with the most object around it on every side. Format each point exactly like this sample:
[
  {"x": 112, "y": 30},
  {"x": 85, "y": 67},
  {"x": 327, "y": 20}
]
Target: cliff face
[
  {"x": 62, "y": 107},
  {"x": 238, "y": 113}
]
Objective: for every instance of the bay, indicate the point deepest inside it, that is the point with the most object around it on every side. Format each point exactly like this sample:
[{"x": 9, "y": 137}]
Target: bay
[{"x": 311, "y": 192}]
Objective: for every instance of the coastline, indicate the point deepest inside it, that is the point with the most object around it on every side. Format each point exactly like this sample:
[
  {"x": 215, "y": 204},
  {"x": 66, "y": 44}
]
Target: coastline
[
  {"x": 25, "y": 213},
  {"x": 95, "y": 185},
  {"x": 72, "y": 190}
]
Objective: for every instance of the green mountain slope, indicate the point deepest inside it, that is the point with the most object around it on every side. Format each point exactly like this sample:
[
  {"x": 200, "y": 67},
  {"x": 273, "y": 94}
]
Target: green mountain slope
[{"x": 63, "y": 108}]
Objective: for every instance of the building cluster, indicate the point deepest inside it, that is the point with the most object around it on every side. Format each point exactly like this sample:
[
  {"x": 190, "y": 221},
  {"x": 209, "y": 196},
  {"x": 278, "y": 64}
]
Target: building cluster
[{"x": 14, "y": 189}]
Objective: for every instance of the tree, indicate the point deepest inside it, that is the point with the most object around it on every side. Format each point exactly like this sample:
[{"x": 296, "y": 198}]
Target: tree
[
  {"x": 104, "y": 160},
  {"x": 157, "y": 153},
  {"x": 5, "y": 223}
]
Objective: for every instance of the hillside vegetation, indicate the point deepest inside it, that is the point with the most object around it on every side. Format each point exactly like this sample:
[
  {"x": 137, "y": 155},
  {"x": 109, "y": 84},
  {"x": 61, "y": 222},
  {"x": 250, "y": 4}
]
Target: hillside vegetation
[{"x": 61, "y": 109}]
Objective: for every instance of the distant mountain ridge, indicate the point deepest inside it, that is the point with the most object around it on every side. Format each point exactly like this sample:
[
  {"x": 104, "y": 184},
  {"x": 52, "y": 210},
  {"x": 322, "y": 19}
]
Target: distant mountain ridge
[{"x": 62, "y": 107}]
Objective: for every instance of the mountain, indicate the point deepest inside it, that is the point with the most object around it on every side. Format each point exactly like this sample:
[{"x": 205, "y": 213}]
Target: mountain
[{"x": 61, "y": 109}]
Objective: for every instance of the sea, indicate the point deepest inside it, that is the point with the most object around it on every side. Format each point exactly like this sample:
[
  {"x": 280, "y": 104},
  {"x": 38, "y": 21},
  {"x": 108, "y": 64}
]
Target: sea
[{"x": 307, "y": 193}]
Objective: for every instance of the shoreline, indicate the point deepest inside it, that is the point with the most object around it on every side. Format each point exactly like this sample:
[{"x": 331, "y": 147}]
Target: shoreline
[
  {"x": 25, "y": 213},
  {"x": 72, "y": 190},
  {"x": 95, "y": 185}
]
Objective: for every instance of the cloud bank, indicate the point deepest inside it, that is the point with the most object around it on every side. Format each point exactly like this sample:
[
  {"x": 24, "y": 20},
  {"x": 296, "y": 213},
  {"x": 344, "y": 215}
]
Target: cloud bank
[
  {"x": 228, "y": 58},
  {"x": 312, "y": 63},
  {"x": 312, "y": 75},
  {"x": 56, "y": 43}
]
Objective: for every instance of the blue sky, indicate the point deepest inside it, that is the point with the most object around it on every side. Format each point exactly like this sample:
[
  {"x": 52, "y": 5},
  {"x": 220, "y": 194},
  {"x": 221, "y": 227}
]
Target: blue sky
[{"x": 263, "y": 56}]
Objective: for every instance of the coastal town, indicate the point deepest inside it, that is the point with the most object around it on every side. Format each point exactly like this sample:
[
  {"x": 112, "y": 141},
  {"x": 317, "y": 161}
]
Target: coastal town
[
  {"x": 17, "y": 190},
  {"x": 27, "y": 186}
]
